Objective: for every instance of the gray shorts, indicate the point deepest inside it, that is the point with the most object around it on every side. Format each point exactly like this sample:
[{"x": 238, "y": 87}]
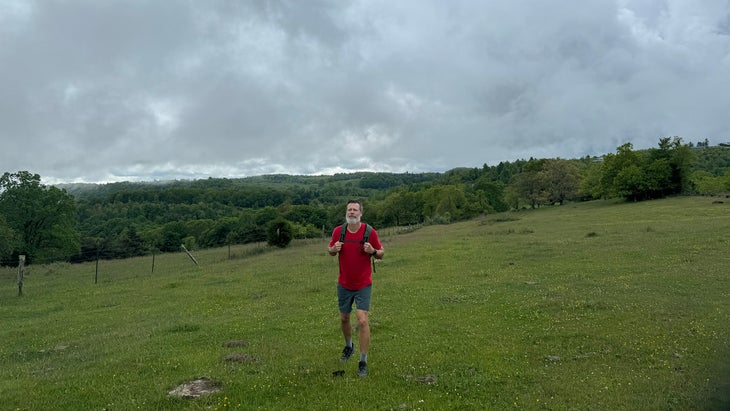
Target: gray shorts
[{"x": 360, "y": 297}]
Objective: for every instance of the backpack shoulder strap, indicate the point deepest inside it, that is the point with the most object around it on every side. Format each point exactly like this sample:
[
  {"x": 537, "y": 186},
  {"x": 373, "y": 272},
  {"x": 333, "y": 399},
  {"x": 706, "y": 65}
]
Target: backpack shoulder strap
[
  {"x": 343, "y": 232},
  {"x": 366, "y": 236}
]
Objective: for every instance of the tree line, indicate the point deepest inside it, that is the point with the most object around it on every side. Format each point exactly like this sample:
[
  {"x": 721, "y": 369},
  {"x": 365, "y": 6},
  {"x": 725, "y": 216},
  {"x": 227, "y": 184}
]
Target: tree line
[{"x": 81, "y": 222}]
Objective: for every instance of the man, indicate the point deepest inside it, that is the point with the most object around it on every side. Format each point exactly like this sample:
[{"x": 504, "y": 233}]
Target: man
[{"x": 354, "y": 283}]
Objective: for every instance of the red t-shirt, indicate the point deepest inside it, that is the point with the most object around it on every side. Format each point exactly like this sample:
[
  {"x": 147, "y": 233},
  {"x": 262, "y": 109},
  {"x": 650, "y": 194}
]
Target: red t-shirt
[{"x": 355, "y": 269}]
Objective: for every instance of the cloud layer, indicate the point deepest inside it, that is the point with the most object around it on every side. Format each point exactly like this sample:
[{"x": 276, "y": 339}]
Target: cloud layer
[{"x": 150, "y": 90}]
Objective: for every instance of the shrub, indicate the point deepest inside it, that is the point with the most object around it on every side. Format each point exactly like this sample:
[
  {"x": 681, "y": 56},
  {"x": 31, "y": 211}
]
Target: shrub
[{"x": 279, "y": 233}]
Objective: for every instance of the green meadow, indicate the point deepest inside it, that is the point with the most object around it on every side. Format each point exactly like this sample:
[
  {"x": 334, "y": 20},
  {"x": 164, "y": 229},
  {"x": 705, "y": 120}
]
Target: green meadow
[{"x": 589, "y": 306}]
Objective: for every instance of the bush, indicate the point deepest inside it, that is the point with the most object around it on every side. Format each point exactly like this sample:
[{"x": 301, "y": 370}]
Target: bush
[{"x": 279, "y": 233}]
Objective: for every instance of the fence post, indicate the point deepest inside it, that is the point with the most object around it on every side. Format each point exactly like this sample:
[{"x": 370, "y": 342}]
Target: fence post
[
  {"x": 188, "y": 253},
  {"x": 21, "y": 273},
  {"x": 96, "y": 273}
]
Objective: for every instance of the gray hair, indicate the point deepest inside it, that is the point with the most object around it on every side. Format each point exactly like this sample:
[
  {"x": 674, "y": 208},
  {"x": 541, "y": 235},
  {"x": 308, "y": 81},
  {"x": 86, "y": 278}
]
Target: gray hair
[{"x": 355, "y": 202}]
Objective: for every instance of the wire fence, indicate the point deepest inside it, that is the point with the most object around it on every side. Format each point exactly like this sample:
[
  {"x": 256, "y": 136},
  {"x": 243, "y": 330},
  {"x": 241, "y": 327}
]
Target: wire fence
[
  {"x": 13, "y": 269},
  {"x": 231, "y": 251}
]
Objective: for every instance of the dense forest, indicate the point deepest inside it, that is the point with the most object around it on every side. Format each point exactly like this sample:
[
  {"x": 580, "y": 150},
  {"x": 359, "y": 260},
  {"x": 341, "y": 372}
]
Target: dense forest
[{"x": 81, "y": 222}]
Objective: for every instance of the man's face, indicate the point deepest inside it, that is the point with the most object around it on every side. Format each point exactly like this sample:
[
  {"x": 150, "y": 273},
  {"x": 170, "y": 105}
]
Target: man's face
[{"x": 353, "y": 213}]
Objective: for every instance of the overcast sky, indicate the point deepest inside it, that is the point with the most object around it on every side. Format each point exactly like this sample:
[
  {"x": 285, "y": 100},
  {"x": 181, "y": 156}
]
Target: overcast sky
[{"x": 132, "y": 90}]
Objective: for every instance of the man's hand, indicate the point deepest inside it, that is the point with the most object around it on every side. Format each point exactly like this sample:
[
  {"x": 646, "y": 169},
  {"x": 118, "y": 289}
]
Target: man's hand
[
  {"x": 335, "y": 248},
  {"x": 368, "y": 248}
]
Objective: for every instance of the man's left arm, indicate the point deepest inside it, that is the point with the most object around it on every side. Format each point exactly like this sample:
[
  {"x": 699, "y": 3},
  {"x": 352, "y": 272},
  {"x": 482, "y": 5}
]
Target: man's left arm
[{"x": 378, "y": 251}]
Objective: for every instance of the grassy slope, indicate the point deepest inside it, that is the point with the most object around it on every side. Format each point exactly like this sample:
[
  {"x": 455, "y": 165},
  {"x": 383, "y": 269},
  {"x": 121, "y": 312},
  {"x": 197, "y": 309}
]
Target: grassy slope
[{"x": 587, "y": 306}]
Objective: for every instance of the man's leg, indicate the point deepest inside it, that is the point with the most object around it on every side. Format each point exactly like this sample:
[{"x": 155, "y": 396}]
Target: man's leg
[
  {"x": 344, "y": 301},
  {"x": 346, "y": 326},
  {"x": 347, "y": 333},
  {"x": 364, "y": 340},
  {"x": 364, "y": 331}
]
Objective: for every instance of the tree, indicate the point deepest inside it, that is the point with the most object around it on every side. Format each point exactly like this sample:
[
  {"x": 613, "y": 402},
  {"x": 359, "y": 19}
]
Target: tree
[
  {"x": 613, "y": 164},
  {"x": 590, "y": 180},
  {"x": 707, "y": 184},
  {"x": 443, "y": 203},
  {"x": 658, "y": 180},
  {"x": 171, "y": 236},
  {"x": 674, "y": 160},
  {"x": 629, "y": 183},
  {"x": 561, "y": 177},
  {"x": 401, "y": 207},
  {"x": 221, "y": 232},
  {"x": 304, "y": 214},
  {"x": 248, "y": 230},
  {"x": 130, "y": 244},
  {"x": 43, "y": 218},
  {"x": 8, "y": 241},
  {"x": 512, "y": 197},
  {"x": 654, "y": 173},
  {"x": 714, "y": 160},
  {"x": 492, "y": 193},
  {"x": 530, "y": 186}
]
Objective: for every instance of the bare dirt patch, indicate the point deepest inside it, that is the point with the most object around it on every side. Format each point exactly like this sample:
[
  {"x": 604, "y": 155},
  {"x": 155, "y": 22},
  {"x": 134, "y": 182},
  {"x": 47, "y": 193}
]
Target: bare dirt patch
[
  {"x": 240, "y": 358},
  {"x": 196, "y": 388}
]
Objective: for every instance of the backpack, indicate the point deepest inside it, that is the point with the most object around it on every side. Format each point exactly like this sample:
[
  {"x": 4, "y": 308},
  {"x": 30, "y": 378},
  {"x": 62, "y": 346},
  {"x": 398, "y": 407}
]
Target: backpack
[{"x": 365, "y": 237}]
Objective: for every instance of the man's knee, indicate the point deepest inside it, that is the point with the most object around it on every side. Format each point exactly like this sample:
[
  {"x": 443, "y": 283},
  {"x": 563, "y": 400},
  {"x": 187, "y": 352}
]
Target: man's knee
[{"x": 362, "y": 318}]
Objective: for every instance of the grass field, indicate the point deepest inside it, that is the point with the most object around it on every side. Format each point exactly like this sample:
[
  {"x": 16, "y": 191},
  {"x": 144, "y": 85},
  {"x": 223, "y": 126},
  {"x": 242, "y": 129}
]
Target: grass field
[{"x": 590, "y": 306}]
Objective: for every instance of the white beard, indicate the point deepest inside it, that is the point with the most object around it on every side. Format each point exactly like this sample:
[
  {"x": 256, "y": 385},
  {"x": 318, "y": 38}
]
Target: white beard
[{"x": 352, "y": 220}]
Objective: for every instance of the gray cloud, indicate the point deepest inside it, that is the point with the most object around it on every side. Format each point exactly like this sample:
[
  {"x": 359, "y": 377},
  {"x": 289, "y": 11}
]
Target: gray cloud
[{"x": 142, "y": 90}]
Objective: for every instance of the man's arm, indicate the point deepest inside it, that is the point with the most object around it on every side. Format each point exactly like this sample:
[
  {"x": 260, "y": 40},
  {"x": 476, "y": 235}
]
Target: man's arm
[
  {"x": 378, "y": 253},
  {"x": 335, "y": 248}
]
